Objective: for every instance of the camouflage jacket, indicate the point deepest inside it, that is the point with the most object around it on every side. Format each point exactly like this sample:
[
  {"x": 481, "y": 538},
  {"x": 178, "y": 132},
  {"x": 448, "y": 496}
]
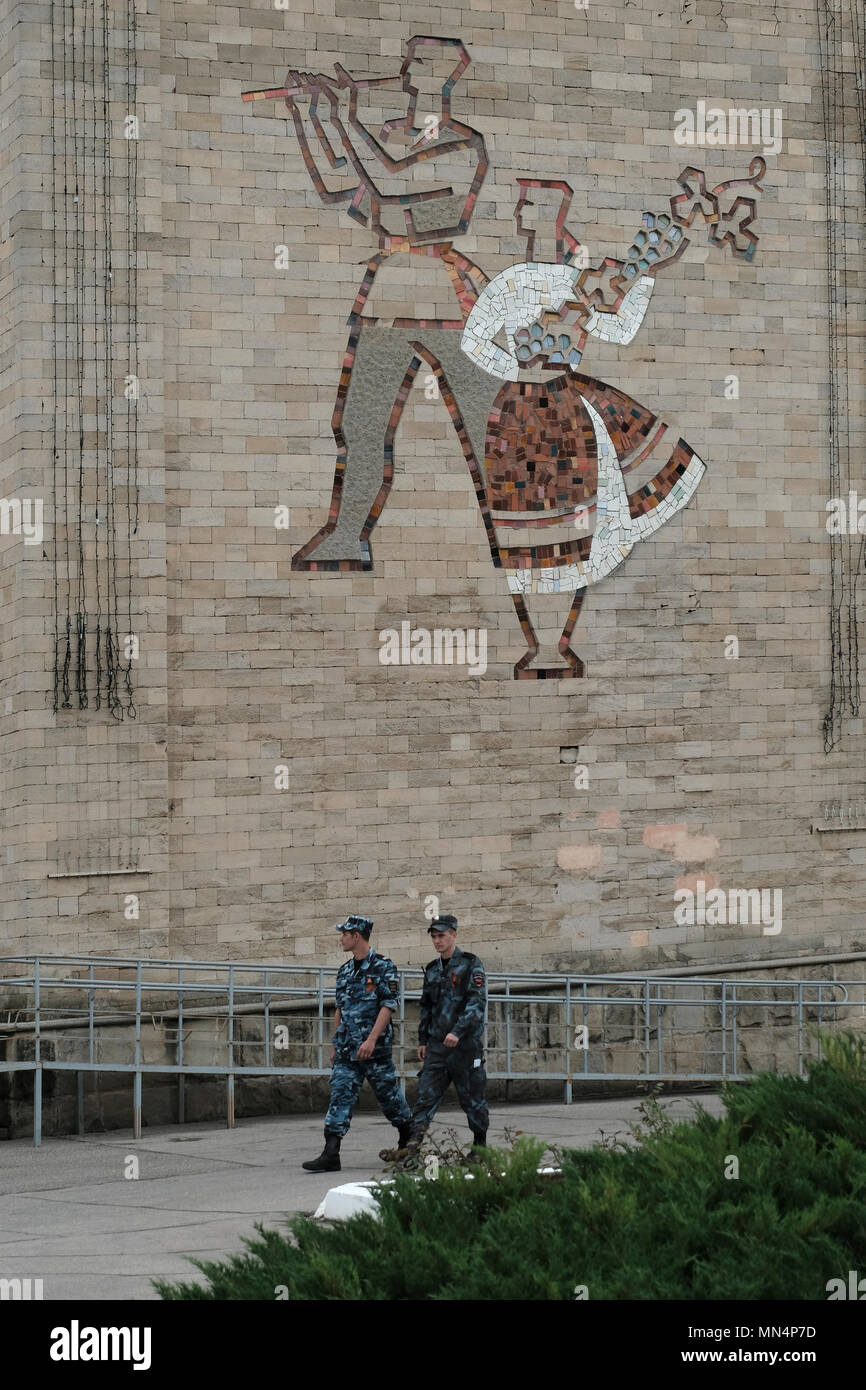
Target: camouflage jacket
[
  {"x": 360, "y": 994},
  {"x": 453, "y": 999}
]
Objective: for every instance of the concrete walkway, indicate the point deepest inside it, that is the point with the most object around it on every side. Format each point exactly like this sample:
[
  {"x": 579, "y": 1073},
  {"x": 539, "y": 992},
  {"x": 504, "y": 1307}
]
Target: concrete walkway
[{"x": 70, "y": 1216}]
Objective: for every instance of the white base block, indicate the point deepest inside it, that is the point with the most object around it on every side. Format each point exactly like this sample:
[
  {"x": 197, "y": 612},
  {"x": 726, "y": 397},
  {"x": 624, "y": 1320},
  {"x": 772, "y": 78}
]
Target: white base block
[{"x": 349, "y": 1199}]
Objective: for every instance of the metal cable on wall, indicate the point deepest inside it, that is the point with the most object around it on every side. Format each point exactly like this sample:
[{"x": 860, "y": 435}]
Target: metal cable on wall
[
  {"x": 132, "y": 395},
  {"x": 842, "y": 87},
  {"x": 858, "y": 36},
  {"x": 93, "y": 502}
]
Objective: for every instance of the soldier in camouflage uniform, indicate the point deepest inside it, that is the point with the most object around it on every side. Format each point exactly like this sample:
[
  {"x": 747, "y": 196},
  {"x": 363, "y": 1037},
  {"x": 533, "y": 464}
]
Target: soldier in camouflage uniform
[
  {"x": 366, "y": 996},
  {"x": 450, "y": 1035}
]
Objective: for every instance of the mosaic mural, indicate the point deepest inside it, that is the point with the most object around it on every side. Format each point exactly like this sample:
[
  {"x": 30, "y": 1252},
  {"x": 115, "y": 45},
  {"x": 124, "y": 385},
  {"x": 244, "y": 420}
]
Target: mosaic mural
[{"x": 548, "y": 448}]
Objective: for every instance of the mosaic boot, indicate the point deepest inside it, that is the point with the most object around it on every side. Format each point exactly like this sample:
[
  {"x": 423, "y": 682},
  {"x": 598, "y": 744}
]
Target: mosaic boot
[{"x": 551, "y": 662}]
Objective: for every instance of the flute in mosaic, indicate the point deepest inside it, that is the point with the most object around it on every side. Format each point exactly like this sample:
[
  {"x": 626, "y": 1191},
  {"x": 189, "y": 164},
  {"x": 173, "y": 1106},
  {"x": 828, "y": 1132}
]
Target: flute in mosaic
[{"x": 344, "y": 79}]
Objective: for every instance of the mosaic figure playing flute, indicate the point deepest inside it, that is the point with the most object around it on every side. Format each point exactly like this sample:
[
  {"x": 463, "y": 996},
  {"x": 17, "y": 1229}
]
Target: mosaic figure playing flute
[{"x": 414, "y": 179}]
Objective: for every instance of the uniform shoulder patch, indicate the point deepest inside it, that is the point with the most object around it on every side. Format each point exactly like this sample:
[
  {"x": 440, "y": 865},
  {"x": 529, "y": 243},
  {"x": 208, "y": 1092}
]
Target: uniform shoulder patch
[
  {"x": 392, "y": 985},
  {"x": 478, "y": 977}
]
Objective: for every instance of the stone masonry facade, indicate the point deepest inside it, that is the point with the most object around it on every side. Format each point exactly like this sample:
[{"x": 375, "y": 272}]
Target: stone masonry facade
[{"x": 277, "y": 774}]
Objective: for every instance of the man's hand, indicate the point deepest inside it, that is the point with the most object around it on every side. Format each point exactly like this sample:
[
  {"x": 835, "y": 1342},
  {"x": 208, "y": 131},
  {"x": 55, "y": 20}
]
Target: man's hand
[
  {"x": 312, "y": 83},
  {"x": 365, "y": 1051},
  {"x": 300, "y": 79},
  {"x": 451, "y": 1040},
  {"x": 306, "y": 81},
  {"x": 422, "y": 1052}
]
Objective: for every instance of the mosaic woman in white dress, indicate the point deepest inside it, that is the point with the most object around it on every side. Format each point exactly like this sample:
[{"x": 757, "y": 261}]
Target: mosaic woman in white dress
[{"x": 558, "y": 446}]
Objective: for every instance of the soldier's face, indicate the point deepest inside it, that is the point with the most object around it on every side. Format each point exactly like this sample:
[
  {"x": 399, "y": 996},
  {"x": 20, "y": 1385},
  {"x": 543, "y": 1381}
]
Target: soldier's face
[
  {"x": 349, "y": 939},
  {"x": 443, "y": 942}
]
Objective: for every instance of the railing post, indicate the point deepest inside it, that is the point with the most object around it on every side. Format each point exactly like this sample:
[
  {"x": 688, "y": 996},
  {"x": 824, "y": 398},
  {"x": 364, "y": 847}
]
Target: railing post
[
  {"x": 659, "y": 1028},
  {"x": 230, "y": 1078},
  {"x": 91, "y": 1017},
  {"x": 37, "y": 1054},
  {"x": 136, "y": 1080},
  {"x": 320, "y": 999},
  {"x": 37, "y": 1106},
  {"x": 401, "y": 1047},
  {"x": 735, "y": 1069},
  {"x": 508, "y": 1040},
  {"x": 568, "y": 1093},
  {"x": 181, "y": 1079},
  {"x": 267, "y": 1021},
  {"x": 724, "y": 1029},
  {"x": 800, "y": 1067}
]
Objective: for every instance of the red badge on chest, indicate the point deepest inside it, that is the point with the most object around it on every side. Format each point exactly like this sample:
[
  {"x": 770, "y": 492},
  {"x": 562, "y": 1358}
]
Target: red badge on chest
[
  {"x": 454, "y": 977},
  {"x": 371, "y": 985}
]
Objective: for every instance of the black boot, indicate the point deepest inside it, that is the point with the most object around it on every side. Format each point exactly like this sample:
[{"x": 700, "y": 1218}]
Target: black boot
[
  {"x": 479, "y": 1139},
  {"x": 329, "y": 1159},
  {"x": 404, "y": 1134}
]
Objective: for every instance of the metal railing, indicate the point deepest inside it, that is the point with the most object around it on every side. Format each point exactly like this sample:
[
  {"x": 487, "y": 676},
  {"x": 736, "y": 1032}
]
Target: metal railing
[{"x": 144, "y": 1018}]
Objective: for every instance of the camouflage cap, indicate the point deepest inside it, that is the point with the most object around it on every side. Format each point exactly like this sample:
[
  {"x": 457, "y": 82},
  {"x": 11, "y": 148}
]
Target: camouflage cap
[
  {"x": 446, "y": 921},
  {"x": 360, "y": 924}
]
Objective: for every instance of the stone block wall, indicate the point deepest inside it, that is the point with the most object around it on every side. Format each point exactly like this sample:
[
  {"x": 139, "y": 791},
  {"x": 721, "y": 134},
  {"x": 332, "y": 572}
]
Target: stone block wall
[{"x": 556, "y": 817}]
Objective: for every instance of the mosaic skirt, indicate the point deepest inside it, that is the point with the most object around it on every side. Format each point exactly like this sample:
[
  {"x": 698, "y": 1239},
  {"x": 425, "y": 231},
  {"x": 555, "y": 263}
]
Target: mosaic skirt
[
  {"x": 554, "y": 450},
  {"x": 541, "y": 452}
]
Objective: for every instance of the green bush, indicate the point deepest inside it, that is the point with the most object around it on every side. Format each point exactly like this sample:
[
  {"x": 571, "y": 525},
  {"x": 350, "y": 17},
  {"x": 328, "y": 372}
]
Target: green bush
[{"x": 652, "y": 1219}]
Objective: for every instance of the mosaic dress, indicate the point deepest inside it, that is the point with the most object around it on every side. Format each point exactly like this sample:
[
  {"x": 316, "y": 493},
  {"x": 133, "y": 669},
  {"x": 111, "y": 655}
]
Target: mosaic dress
[{"x": 556, "y": 452}]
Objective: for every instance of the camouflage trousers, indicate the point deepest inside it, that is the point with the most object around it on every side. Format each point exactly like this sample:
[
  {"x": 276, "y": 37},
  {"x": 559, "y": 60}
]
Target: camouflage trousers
[
  {"x": 347, "y": 1078},
  {"x": 442, "y": 1065}
]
